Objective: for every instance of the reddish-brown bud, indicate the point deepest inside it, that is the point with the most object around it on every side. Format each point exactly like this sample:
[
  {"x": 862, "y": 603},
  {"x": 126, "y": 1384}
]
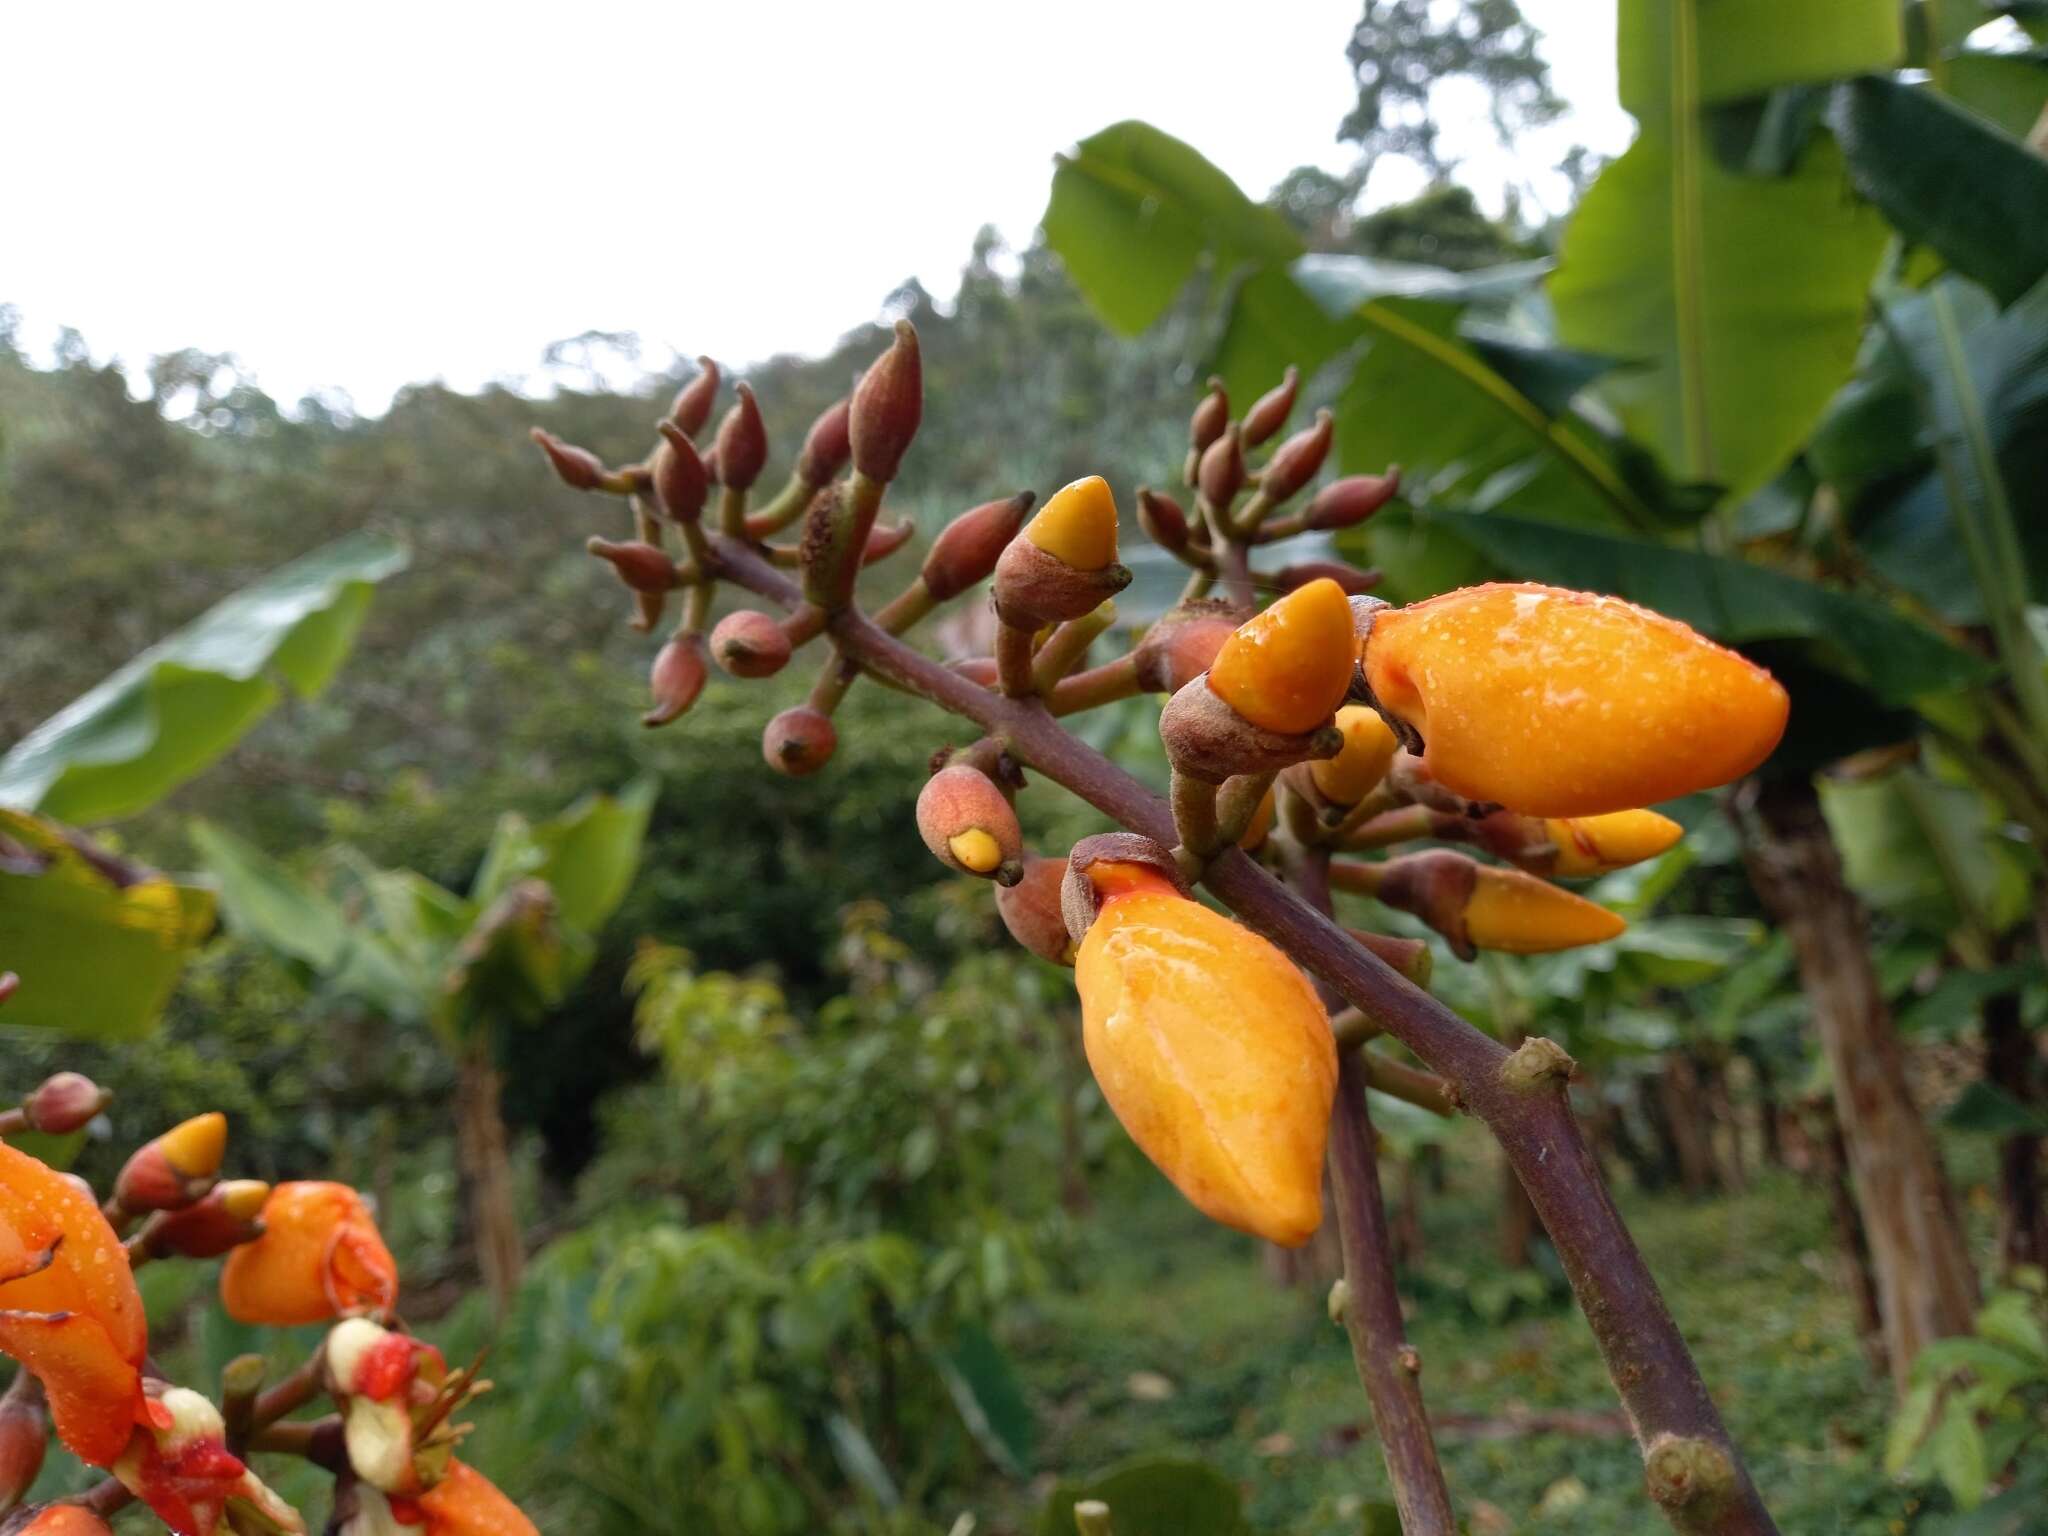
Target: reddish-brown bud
[
  {"x": 799, "y": 741},
  {"x": 1296, "y": 461},
  {"x": 1347, "y": 502},
  {"x": 828, "y": 445},
  {"x": 675, "y": 679},
  {"x": 1269, "y": 412},
  {"x": 176, "y": 1168},
  {"x": 1211, "y": 416},
  {"x": 967, "y": 549},
  {"x": 1161, "y": 517},
  {"x": 1350, "y": 578},
  {"x": 693, "y": 402},
  {"x": 640, "y": 566},
  {"x": 884, "y": 539},
  {"x": 1412, "y": 958},
  {"x": 64, "y": 1102},
  {"x": 226, "y": 1218},
  {"x": 579, "y": 468},
  {"x": 1183, "y": 641},
  {"x": 1222, "y": 475},
  {"x": 681, "y": 482},
  {"x": 25, "y": 1434},
  {"x": 9, "y": 983},
  {"x": 968, "y": 824},
  {"x": 750, "y": 644},
  {"x": 888, "y": 404},
  {"x": 742, "y": 445},
  {"x": 978, "y": 669},
  {"x": 1030, "y": 910}
]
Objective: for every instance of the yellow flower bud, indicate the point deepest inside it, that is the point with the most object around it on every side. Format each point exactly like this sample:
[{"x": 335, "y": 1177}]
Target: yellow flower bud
[
  {"x": 1213, "y": 1051},
  {"x": 1288, "y": 668},
  {"x": 1518, "y": 914},
  {"x": 1593, "y": 845},
  {"x": 1078, "y": 525},
  {"x": 1369, "y": 747},
  {"x": 1557, "y": 703}
]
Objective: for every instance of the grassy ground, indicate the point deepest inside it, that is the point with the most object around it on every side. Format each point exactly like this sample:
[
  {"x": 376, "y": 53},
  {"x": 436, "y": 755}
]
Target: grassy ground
[{"x": 1182, "y": 1345}]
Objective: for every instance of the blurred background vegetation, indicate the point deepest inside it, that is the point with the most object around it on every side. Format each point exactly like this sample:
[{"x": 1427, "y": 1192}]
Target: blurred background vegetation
[{"x": 827, "y": 1226}]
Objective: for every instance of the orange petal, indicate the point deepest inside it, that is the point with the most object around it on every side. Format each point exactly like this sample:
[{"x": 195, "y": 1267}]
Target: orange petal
[
  {"x": 320, "y": 1256},
  {"x": 89, "y": 1274},
  {"x": 95, "y": 1395},
  {"x": 466, "y": 1503},
  {"x": 1288, "y": 668},
  {"x": 1078, "y": 524}
]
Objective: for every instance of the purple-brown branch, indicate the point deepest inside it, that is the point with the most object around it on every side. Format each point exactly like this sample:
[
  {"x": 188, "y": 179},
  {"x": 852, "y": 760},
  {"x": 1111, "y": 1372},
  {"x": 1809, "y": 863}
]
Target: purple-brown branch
[{"x": 1692, "y": 1467}]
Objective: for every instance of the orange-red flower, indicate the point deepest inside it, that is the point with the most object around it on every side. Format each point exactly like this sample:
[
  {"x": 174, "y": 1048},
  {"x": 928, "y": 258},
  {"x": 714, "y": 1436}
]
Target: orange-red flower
[
  {"x": 69, "y": 1310},
  {"x": 65, "y": 1520},
  {"x": 463, "y": 1503},
  {"x": 320, "y": 1257},
  {"x": 182, "y": 1468}
]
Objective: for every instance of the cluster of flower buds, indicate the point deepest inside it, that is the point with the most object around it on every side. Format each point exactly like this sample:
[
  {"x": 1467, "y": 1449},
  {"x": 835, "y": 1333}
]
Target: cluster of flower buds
[
  {"x": 1530, "y": 726},
  {"x": 303, "y": 1252}
]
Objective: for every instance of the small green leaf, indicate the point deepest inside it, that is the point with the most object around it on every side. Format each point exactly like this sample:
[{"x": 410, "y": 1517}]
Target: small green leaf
[
  {"x": 988, "y": 1397},
  {"x": 177, "y": 707},
  {"x": 98, "y": 942},
  {"x": 1984, "y": 1109},
  {"x": 858, "y": 1460},
  {"x": 1153, "y": 1498},
  {"x": 1909, "y": 1425},
  {"x": 1958, "y": 1450}
]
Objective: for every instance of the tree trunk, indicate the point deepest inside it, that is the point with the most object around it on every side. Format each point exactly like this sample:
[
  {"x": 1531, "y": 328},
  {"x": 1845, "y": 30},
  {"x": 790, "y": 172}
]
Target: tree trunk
[
  {"x": 1925, "y": 1286},
  {"x": 1680, "y": 1096},
  {"x": 1832, "y": 1159},
  {"x": 487, "y": 1169},
  {"x": 2011, "y": 1063}
]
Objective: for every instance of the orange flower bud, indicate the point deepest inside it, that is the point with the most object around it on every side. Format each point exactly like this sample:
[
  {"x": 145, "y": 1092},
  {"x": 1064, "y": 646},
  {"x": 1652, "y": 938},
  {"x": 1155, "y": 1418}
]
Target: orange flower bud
[
  {"x": 226, "y": 1217},
  {"x": 1593, "y": 845},
  {"x": 1161, "y": 517},
  {"x": 466, "y": 1503},
  {"x": 65, "y": 1520},
  {"x": 969, "y": 826},
  {"x": 1350, "y": 501},
  {"x": 675, "y": 679},
  {"x": 742, "y": 443},
  {"x": 320, "y": 1256},
  {"x": 1369, "y": 748},
  {"x": 888, "y": 404},
  {"x": 693, "y": 402},
  {"x": 750, "y": 644},
  {"x": 63, "y": 1102},
  {"x": 1486, "y": 906},
  {"x": 69, "y": 1310},
  {"x": 1288, "y": 668},
  {"x": 1211, "y": 416},
  {"x": 1558, "y": 703},
  {"x": 828, "y": 445},
  {"x": 1181, "y": 644},
  {"x": 1213, "y": 1051},
  {"x": 176, "y": 1168},
  {"x": 1269, "y": 412},
  {"x": 640, "y": 566},
  {"x": 681, "y": 482},
  {"x": 1030, "y": 910},
  {"x": 1077, "y": 526},
  {"x": 1222, "y": 474},
  {"x": 967, "y": 549},
  {"x": 1296, "y": 461},
  {"x": 799, "y": 741}
]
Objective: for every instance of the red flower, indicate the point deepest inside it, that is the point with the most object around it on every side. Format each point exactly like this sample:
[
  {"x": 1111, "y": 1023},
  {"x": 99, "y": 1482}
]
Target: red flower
[{"x": 320, "y": 1256}]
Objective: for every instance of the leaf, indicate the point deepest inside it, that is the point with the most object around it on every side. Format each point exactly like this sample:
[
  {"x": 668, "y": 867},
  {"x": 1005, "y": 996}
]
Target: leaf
[
  {"x": 1951, "y": 1005},
  {"x": 1948, "y": 179},
  {"x": 1678, "y": 52},
  {"x": 1958, "y": 1450},
  {"x": 1909, "y": 1425},
  {"x": 988, "y": 1397},
  {"x": 1926, "y": 851},
  {"x": 266, "y": 902},
  {"x": 1133, "y": 213},
  {"x": 1735, "y": 602},
  {"x": 1984, "y": 1109},
  {"x": 98, "y": 942},
  {"x": 1740, "y": 300},
  {"x": 178, "y": 706},
  {"x": 588, "y": 855},
  {"x": 1159, "y": 1497},
  {"x": 2010, "y": 89},
  {"x": 857, "y": 1459},
  {"x": 2012, "y": 1318}
]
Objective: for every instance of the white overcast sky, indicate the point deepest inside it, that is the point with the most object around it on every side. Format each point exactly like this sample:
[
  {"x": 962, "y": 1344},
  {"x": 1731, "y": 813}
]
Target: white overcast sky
[{"x": 362, "y": 195}]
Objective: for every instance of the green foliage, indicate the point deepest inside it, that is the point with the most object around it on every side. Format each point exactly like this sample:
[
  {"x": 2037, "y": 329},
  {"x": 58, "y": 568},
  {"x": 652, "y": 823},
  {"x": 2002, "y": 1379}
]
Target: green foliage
[
  {"x": 1153, "y": 1498},
  {"x": 1977, "y": 1407},
  {"x": 174, "y": 709}
]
